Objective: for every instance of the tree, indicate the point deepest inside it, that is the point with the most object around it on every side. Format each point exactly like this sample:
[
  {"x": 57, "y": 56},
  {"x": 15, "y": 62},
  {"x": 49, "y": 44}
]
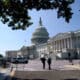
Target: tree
[
  {"x": 15, "y": 12},
  {"x": 1, "y": 56}
]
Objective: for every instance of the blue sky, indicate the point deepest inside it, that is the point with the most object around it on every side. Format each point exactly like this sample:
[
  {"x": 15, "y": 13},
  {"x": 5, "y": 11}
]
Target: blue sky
[{"x": 14, "y": 40}]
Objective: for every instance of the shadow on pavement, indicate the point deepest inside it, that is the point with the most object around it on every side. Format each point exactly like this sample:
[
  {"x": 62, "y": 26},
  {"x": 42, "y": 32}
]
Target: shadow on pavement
[
  {"x": 26, "y": 79},
  {"x": 13, "y": 78},
  {"x": 6, "y": 77},
  {"x": 71, "y": 79}
]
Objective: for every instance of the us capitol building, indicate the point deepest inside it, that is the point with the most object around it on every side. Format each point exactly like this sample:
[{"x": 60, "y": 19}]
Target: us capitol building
[{"x": 59, "y": 45}]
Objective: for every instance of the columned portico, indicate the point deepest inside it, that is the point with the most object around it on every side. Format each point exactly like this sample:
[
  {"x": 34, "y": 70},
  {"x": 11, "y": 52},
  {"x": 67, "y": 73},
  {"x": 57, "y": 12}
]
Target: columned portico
[{"x": 66, "y": 42}]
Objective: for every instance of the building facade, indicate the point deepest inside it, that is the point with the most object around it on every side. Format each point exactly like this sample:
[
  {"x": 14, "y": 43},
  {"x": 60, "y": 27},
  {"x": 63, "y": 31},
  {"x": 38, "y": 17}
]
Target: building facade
[
  {"x": 40, "y": 36},
  {"x": 64, "y": 43},
  {"x": 26, "y": 51},
  {"x": 60, "y": 45}
]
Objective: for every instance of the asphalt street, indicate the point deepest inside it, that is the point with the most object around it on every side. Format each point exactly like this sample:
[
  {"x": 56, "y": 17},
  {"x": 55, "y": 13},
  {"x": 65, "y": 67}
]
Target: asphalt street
[{"x": 36, "y": 65}]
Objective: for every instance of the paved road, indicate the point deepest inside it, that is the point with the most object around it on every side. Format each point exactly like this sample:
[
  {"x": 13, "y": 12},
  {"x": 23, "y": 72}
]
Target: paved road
[
  {"x": 36, "y": 65},
  {"x": 33, "y": 70},
  {"x": 4, "y": 74}
]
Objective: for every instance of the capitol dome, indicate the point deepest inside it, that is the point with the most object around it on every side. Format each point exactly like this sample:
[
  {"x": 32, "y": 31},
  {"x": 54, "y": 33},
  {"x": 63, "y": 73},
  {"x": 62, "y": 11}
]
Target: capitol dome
[{"x": 40, "y": 35}]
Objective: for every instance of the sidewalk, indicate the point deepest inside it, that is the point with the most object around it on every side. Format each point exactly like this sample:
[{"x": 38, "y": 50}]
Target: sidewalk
[
  {"x": 76, "y": 67},
  {"x": 3, "y": 70},
  {"x": 3, "y": 73},
  {"x": 34, "y": 70}
]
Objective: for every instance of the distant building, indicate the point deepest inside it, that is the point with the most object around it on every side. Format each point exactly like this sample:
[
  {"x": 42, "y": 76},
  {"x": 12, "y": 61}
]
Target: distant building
[
  {"x": 59, "y": 45},
  {"x": 40, "y": 36},
  {"x": 64, "y": 43},
  {"x": 28, "y": 52},
  {"x": 11, "y": 54}
]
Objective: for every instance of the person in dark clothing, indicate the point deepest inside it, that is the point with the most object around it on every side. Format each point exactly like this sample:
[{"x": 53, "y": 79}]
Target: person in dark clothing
[
  {"x": 43, "y": 59},
  {"x": 49, "y": 63},
  {"x": 43, "y": 62},
  {"x": 70, "y": 59},
  {"x": 49, "y": 60}
]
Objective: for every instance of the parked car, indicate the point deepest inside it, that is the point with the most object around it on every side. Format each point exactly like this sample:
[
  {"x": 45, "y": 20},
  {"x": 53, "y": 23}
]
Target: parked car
[
  {"x": 19, "y": 60},
  {"x": 13, "y": 60},
  {"x": 22, "y": 60}
]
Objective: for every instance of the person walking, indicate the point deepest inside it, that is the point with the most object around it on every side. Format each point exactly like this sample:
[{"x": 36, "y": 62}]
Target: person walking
[
  {"x": 49, "y": 61},
  {"x": 70, "y": 58},
  {"x": 43, "y": 59}
]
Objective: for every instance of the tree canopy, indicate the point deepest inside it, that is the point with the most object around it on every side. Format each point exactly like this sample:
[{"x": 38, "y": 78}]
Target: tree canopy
[
  {"x": 1, "y": 56},
  {"x": 15, "y": 12}
]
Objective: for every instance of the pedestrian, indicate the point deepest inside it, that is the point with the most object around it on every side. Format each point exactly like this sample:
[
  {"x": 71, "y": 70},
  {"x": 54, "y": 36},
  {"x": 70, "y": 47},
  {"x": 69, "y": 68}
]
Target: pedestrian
[
  {"x": 43, "y": 59},
  {"x": 70, "y": 58},
  {"x": 49, "y": 61},
  {"x": 11, "y": 68}
]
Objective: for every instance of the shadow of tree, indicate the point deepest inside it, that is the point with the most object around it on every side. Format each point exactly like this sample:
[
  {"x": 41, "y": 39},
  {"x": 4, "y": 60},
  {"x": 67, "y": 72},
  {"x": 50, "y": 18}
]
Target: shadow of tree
[{"x": 14, "y": 78}]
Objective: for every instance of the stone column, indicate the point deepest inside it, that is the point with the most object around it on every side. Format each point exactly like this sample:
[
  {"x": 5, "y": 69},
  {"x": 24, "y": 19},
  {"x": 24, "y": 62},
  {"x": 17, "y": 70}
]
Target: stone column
[
  {"x": 60, "y": 45},
  {"x": 52, "y": 45},
  {"x": 68, "y": 43},
  {"x": 71, "y": 43},
  {"x": 57, "y": 45},
  {"x": 65, "y": 43},
  {"x": 77, "y": 42}
]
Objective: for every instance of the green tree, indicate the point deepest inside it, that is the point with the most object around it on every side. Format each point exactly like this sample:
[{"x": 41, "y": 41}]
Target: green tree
[
  {"x": 1, "y": 56},
  {"x": 15, "y": 12}
]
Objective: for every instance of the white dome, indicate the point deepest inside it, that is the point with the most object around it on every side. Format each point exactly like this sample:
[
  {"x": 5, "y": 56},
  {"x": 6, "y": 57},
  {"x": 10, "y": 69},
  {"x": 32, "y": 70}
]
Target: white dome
[{"x": 40, "y": 35}]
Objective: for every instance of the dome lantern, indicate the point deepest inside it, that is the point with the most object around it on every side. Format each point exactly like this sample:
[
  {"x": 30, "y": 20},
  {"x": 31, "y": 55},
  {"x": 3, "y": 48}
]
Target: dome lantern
[{"x": 40, "y": 22}]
